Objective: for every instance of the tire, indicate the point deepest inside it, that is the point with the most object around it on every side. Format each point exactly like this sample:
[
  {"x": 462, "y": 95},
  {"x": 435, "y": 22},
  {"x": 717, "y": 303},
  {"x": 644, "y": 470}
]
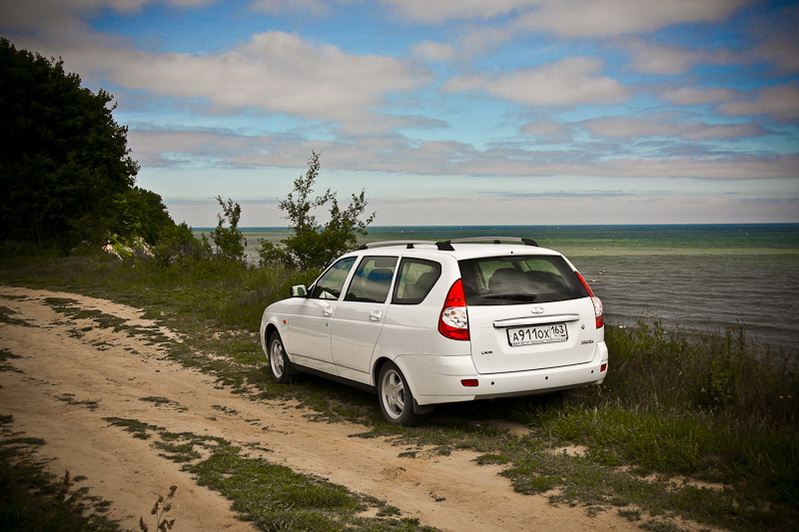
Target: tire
[
  {"x": 395, "y": 397},
  {"x": 278, "y": 361}
]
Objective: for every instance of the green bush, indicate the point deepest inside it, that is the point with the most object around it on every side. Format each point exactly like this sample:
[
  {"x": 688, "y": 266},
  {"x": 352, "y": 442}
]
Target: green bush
[
  {"x": 721, "y": 373},
  {"x": 312, "y": 245}
]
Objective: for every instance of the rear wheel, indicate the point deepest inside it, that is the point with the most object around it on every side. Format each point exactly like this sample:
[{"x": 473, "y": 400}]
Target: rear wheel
[
  {"x": 395, "y": 397},
  {"x": 278, "y": 361}
]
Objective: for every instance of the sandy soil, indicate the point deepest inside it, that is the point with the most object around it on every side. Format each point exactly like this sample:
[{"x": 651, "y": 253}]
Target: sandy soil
[{"x": 116, "y": 370}]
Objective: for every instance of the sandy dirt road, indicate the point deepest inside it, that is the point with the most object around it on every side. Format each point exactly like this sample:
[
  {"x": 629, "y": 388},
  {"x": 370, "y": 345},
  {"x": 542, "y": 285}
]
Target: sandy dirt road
[{"x": 66, "y": 363}]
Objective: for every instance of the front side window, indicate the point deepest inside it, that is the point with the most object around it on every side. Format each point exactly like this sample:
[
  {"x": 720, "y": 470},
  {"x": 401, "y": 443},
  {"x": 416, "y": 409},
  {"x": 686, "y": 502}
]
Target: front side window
[
  {"x": 332, "y": 281},
  {"x": 519, "y": 279},
  {"x": 372, "y": 280},
  {"x": 416, "y": 279}
]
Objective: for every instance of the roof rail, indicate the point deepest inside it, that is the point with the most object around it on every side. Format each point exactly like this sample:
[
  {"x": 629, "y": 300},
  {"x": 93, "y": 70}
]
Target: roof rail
[
  {"x": 494, "y": 240},
  {"x": 410, "y": 244},
  {"x": 446, "y": 245}
]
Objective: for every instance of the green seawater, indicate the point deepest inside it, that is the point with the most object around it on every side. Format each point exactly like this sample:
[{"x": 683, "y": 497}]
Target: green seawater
[{"x": 692, "y": 277}]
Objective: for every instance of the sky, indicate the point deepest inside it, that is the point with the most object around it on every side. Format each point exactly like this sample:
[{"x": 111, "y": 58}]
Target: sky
[{"x": 447, "y": 112}]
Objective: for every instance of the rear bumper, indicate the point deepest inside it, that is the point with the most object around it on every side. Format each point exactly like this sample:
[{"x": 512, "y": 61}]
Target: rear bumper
[{"x": 437, "y": 379}]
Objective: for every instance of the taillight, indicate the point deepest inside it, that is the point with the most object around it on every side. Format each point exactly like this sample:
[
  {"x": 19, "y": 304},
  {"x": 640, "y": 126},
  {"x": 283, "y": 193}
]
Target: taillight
[
  {"x": 598, "y": 311},
  {"x": 454, "y": 322}
]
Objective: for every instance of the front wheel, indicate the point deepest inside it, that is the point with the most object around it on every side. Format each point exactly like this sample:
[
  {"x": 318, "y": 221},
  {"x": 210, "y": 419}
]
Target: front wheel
[
  {"x": 395, "y": 398},
  {"x": 278, "y": 361}
]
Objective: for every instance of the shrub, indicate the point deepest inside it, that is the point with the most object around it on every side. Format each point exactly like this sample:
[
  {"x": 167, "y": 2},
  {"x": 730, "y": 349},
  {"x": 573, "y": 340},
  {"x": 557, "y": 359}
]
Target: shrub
[
  {"x": 314, "y": 246},
  {"x": 230, "y": 242}
]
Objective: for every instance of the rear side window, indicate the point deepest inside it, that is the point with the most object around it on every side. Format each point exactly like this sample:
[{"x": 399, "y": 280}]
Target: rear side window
[
  {"x": 332, "y": 281},
  {"x": 416, "y": 279},
  {"x": 519, "y": 279},
  {"x": 372, "y": 280}
]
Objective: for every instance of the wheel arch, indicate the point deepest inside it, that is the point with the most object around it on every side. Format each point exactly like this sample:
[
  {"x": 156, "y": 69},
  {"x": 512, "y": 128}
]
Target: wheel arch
[
  {"x": 378, "y": 365},
  {"x": 269, "y": 330},
  {"x": 398, "y": 361}
]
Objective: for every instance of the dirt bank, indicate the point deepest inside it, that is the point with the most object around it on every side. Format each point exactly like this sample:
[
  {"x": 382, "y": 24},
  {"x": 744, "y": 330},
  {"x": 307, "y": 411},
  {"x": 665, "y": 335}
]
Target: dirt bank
[{"x": 67, "y": 364}]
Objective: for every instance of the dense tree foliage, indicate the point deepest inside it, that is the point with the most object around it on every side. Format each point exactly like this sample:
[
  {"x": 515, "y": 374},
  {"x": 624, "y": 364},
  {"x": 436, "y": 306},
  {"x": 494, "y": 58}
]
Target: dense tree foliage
[
  {"x": 65, "y": 170},
  {"x": 313, "y": 245}
]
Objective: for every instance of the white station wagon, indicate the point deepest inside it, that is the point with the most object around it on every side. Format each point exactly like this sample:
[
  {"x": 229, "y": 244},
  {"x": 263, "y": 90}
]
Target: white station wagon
[{"x": 424, "y": 323}]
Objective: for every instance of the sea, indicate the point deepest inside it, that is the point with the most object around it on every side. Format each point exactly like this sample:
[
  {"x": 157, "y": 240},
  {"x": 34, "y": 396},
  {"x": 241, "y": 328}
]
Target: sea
[{"x": 691, "y": 278}]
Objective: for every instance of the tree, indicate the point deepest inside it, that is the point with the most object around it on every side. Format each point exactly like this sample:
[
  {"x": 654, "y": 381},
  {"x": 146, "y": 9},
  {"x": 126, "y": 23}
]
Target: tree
[
  {"x": 139, "y": 213},
  {"x": 313, "y": 245},
  {"x": 64, "y": 161},
  {"x": 230, "y": 243}
]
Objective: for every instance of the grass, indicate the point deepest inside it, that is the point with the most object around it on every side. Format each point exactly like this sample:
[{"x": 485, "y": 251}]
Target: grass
[
  {"x": 69, "y": 398},
  {"x": 272, "y": 496},
  {"x": 702, "y": 427}
]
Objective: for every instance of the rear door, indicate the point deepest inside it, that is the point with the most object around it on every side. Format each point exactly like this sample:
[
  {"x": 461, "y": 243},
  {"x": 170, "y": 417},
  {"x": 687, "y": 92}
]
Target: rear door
[{"x": 527, "y": 312}]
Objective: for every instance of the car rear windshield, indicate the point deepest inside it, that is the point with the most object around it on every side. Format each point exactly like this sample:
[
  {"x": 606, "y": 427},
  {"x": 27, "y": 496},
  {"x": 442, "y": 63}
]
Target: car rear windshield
[{"x": 519, "y": 279}]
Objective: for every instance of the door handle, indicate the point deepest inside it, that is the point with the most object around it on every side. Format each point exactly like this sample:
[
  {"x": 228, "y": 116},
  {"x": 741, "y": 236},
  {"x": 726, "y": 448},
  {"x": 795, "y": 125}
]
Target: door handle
[
  {"x": 327, "y": 311},
  {"x": 376, "y": 315}
]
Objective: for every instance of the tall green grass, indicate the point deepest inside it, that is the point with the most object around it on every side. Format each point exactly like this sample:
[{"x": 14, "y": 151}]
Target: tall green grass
[
  {"x": 713, "y": 407},
  {"x": 718, "y": 373}
]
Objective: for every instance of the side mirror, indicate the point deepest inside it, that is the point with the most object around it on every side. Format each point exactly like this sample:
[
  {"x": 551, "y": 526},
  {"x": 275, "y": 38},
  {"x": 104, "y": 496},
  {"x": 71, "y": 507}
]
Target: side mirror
[{"x": 299, "y": 290}]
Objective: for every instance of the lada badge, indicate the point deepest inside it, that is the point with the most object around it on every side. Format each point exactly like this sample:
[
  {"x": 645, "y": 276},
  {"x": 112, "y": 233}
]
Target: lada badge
[{"x": 537, "y": 310}]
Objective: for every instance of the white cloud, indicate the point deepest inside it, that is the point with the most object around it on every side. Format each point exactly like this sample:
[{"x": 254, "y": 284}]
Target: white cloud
[
  {"x": 547, "y": 128},
  {"x": 433, "y": 51},
  {"x": 670, "y": 60},
  {"x": 573, "y": 18},
  {"x": 779, "y": 41},
  {"x": 606, "y": 18},
  {"x": 665, "y": 125},
  {"x": 569, "y": 81},
  {"x": 393, "y": 154},
  {"x": 442, "y": 11},
  {"x": 51, "y": 14},
  {"x": 781, "y": 102},
  {"x": 662, "y": 60},
  {"x": 698, "y": 95},
  {"x": 166, "y": 147},
  {"x": 782, "y": 52},
  {"x": 274, "y": 71},
  {"x": 686, "y": 167},
  {"x": 304, "y": 7}
]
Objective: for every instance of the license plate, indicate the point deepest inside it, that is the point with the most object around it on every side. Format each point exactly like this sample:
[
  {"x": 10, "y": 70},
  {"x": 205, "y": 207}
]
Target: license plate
[{"x": 538, "y": 334}]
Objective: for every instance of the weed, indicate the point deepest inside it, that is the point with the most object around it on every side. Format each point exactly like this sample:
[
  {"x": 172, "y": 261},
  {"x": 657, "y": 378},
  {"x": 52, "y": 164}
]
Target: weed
[
  {"x": 156, "y": 399},
  {"x": 69, "y": 398},
  {"x": 631, "y": 514},
  {"x": 161, "y": 507},
  {"x": 495, "y": 459},
  {"x": 6, "y": 316},
  {"x": 5, "y": 355},
  {"x": 225, "y": 410},
  {"x": 178, "y": 452},
  {"x": 388, "y": 511},
  {"x": 163, "y": 401},
  {"x": 139, "y": 429}
]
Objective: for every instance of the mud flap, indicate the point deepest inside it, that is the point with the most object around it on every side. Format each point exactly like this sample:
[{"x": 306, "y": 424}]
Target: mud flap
[{"x": 419, "y": 409}]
